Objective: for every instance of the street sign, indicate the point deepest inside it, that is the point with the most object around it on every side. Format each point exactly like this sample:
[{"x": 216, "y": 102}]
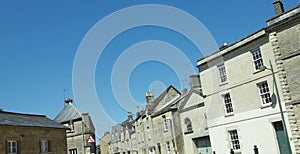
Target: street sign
[{"x": 91, "y": 140}]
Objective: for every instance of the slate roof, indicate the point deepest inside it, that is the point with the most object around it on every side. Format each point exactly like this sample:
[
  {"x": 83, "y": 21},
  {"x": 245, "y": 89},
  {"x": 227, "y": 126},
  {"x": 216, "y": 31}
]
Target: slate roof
[
  {"x": 68, "y": 113},
  {"x": 19, "y": 119}
]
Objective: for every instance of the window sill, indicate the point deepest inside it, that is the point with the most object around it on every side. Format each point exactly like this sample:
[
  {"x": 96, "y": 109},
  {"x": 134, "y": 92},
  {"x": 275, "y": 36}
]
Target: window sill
[
  {"x": 266, "y": 105},
  {"x": 257, "y": 71},
  {"x": 188, "y": 132},
  {"x": 71, "y": 131},
  {"x": 237, "y": 151},
  {"x": 223, "y": 83},
  {"x": 229, "y": 114}
]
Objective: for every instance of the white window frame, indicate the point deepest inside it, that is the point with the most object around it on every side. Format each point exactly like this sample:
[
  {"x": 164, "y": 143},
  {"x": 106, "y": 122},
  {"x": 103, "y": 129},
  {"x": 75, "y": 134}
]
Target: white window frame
[
  {"x": 44, "y": 146},
  {"x": 73, "y": 151},
  {"x": 12, "y": 149},
  {"x": 264, "y": 93},
  {"x": 165, "y": 123},
  {"x": 234, "y": 140},
  {"x": 257, "y": 59},
  {"x": 222, "y": 73},
  {"x": 228, "y": 106}
]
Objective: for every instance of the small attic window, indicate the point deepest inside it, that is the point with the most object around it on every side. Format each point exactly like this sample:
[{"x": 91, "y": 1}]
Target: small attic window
[
  {"x": 188, "y": 124},
  {"x": 71, "y": 125}
]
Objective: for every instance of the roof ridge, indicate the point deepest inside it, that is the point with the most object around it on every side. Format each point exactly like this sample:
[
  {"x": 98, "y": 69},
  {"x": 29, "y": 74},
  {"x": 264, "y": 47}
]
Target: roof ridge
[{"x": 27, "y": 114}]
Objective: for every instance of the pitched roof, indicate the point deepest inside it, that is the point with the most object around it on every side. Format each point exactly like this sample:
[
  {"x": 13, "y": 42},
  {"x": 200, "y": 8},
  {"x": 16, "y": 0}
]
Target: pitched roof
[
  {"x": 19, "y": 119},
  {"x": 155, "y": 105},
  {"x": 68, "y": 113}
]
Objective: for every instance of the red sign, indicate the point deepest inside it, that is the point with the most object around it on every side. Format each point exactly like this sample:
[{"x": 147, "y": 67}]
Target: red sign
[{"x": 91, "y": 140}]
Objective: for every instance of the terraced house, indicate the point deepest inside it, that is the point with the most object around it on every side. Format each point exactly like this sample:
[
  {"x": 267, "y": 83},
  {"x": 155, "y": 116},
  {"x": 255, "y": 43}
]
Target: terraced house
[
  {"x": 245, "y": 106},
  {"x": 28, "y": 133}
]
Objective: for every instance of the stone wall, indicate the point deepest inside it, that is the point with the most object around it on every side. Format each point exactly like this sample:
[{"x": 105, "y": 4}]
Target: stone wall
[{"x": 29, "y": 138}]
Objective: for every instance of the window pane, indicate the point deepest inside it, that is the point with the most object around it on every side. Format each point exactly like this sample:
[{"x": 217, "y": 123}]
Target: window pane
[
  {"x": 222, "y": 73},
  {"x": 264, "y": 93},
  {"x": 228, "y": 104},
  {"x": 234, "y": 139},
  {"x": 257, "y": 59}
]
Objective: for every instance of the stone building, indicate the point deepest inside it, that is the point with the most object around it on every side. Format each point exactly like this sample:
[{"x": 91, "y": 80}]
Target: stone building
[
  {"x": 28, "y": 134},
  {"x": 156, "y": 128},
  {"x": 105, "y": 141},
  {"x": 284, "y": 36},
  {"x": 242, "y": 108},
  {"x": 193, "y": 120},
  {"x": 81, "y": 132},
  {"x": 122, "y": 137}
]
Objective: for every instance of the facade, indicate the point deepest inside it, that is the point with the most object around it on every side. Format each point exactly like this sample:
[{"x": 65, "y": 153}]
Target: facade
[
  {"x": 81, "y": 129},
  {"x": 105, "y": 141},
  {"x": 156, "y": 129},
  {"x": 284, "y": 35},
  {"x": 27, "y": 134},
  {"x": 193, "y": 120},
  {"x": 242, "y": 108}
]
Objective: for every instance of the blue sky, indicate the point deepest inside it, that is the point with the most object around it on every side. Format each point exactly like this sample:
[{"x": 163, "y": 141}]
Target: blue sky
[{"x": 39, "y": 41}]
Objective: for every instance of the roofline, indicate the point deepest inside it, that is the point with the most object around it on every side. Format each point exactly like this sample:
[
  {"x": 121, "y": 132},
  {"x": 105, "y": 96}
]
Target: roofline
[
  {"x": 39, "y": 115},
  {"x": 233, "y": 46},
  {"x": 284, "y": 13},
  {"x": 248, "y": 38},
  {"x": 63, "y": 127}
]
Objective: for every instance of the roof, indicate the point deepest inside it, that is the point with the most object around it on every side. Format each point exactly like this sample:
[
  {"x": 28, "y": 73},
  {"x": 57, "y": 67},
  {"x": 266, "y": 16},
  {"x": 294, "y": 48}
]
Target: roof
[
  {"x": 68, "y": 113},
  {"x": 30, "y": 120},
  {"x": 152, "y": 105}
]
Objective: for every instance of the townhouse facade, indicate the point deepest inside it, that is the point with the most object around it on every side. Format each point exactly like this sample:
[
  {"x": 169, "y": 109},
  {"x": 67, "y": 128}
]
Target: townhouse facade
[
  {"x": 156, "y": 128},
  {"x": 243, "y": 109},
  {"x": 193, "y": 120},
  {"x": 28, "y": 133},
  {"x": 81, "y": 132}
]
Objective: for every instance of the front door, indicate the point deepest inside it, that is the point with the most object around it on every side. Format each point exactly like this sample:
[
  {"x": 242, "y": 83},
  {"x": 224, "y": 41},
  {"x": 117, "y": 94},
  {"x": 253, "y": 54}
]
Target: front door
[
  {"x": 203, "y": 145},
  {"x": 281, "y": 140}
]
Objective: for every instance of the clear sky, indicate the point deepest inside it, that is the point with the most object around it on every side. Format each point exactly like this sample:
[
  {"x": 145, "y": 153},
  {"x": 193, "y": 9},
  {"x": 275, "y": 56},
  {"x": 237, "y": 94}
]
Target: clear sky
[{"x": 39, "y": 41}]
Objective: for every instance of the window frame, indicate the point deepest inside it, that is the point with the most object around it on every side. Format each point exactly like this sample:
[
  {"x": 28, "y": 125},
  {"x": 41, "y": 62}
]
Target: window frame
[
  {"x": 44, "y": 147},
  {"x": 73, "y": 151},
  {"x": 10, "y": 147},
  {"x": 257, "y": 59},
  {"x": 222, "y": 74},
  {"x": 234, "y": 140},
  {"x": 71, "y": 125},
  {"x": 189, "y": 125},
  {"x": 264, "y": 93},
  {"x": 228, "y": 103},
  {"x": 165, "y": 123}
]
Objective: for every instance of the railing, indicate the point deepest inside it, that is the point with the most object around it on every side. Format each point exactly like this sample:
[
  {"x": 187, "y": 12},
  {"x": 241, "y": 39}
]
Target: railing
[{"x": 255, "y": 150}]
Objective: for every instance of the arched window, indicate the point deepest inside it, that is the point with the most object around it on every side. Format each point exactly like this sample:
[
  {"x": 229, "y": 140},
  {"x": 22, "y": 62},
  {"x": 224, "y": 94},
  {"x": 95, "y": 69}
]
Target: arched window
[{"x": 188, "y": 125}]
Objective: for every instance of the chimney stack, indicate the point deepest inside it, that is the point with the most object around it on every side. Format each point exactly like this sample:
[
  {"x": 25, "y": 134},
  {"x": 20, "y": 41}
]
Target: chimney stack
[
  {"x": 130, "y": 119},
  {"x": 184, "y": 91},
  {"x": 149, "y": 97},
  {"x": 278, "y": 6},
  {"x": 195, "y": 81}
]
